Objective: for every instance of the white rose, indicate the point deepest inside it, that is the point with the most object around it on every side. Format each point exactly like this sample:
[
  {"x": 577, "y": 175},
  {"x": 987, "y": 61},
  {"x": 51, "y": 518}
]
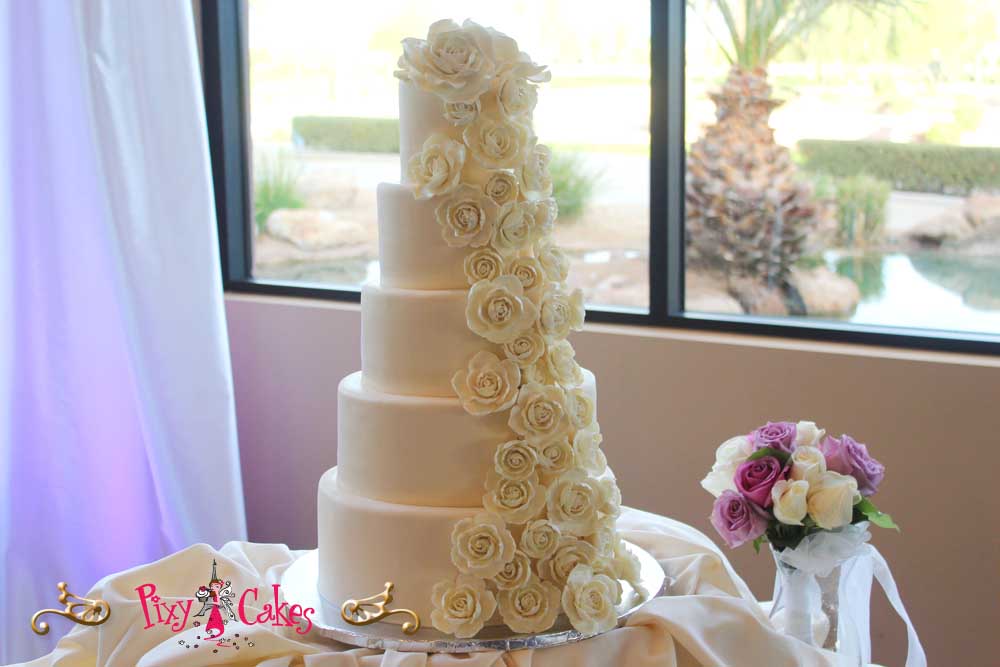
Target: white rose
[
  {"x": 526, "y": 348},
  {"x": 498, "y": 311},
  {"x": 587, "y": 447},
  {"x": 728, "y": 458},
  {"x": 581, "y": 408},
  {"x": 589, "y": 600},
  {"x": 515, "y": 459},
  {"x": 561, "y": 313},
  {"x": 569, "y": 553},
  {"x": 515, "y": 228},
  {"x": 501, "y": 187},
  {"x": 496, "y": 144},
  {"x": 546, "y": 212},
  {"x": 483, "y": 264},
  {"x": 789, "y": 497},
  {"x": 807, "y": 433},
  {"x": 554, "y": 261},
  {"x": 831, "y": 500},
  {"x": 455, "y": 63},
  {"x": 808, "y": 463},
  {"x": 437, "y": 168},
  {"x": 539, "y": 415},
  {"x": 461, "y": 113},
  {"x": 560, "y": 360},
  {"x": 481, "y": 545},
  {"x": 611, "y": 496},
  {"x": 626, "y": 565},
  {"x": 531, "y": 607},
  {"x": 604, "y": 539},
  {"x": 540, "y": 538},
  {"x": 536, "y": 182},
  {"x": 487, "y": 385},
  {"x": 467, "y": 218},
  {"x": 556, "y": 456},
  {"x": 463, "y": 606},
  {"x": 515, "y": 573},
  {"x": 516, "y": 96},
  {"x": 515, "y": 500},
  {"x": 574, "y": 503},
  {"x": 529, "y": 271}
]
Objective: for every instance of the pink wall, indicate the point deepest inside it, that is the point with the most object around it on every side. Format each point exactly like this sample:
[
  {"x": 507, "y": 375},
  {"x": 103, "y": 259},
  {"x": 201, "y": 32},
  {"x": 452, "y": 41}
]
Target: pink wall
[{"x": 666, "y": 399}]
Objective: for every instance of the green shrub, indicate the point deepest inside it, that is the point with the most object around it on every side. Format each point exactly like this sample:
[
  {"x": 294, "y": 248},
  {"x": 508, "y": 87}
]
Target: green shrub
[
  {"x": 573, "y": 184},
  {"x": 861, "y": 202},
  {"x": 953, "y": 170},
  {"x": 339, "y": 133},
  {"x": 968, "y": 115},
  {"x": 275, "y": 186}
]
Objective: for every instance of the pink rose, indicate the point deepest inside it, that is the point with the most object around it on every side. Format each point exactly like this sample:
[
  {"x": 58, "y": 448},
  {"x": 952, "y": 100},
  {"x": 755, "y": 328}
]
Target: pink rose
[
  {"x": 736, "y": 519},
  {"x": 754, "y": 479}
]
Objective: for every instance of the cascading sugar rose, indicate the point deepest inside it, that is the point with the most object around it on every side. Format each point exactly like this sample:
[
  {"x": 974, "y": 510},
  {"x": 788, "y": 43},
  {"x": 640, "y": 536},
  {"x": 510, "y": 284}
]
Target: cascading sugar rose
[
  {"x": 526, "y": 348},
  {"x": 498, "y": 310},
  {"x": 539, "y": 415},
  {"x": 540, "y": 538},
  {"x": 575, "y": 502},
  {"x": 467, "y": 218},
  {"x": 454, "y": 62},
  {"x": 531, "y": 607},
  {"x": 496, "y": 144},
  {"x": 501, "y": 187},
  {"x": 560, "y": 362},
  {"x": 515, "y": 459},
  {"x": 516, "y": 227},
  {"x": 514, "y": 500},
  {"x": 529, "y": 271},
  {"x": 488, "y": 384},
  {"x": 581, "y": 408},
  {"x": 462, "y": 606},
  {"x": 437, "y": 168},
  {"x": 569, "y": 553},
  {"x": 562, "y": 312},
  {"x": 589, "y": 600},
  {"x": 516, "y": 95},
  {"x": 483, "y": 264},
  {"x": 536, "y": 182},
  {"x": 461, "y": 113},
  {"x": 553, "y": 260},
  {"x": 481, "y": 545},
  {"x": 556, "y": 456},
  {"x": 587, "y": 448},
  {"x": 515, "y": 573}
]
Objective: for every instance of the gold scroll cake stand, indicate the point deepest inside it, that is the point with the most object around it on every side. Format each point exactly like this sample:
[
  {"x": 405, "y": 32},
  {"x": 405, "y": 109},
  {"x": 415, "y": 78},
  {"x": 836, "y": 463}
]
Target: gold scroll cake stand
[{"x": 299, "y": 584}]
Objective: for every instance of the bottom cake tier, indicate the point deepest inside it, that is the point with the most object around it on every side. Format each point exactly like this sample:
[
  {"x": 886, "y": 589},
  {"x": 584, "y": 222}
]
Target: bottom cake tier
[{"x": 364, "y": 543}]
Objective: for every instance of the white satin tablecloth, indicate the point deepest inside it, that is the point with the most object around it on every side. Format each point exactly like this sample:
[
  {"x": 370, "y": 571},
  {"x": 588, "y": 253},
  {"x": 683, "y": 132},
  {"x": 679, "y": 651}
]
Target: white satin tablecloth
[{"x": 711, "y": 618}]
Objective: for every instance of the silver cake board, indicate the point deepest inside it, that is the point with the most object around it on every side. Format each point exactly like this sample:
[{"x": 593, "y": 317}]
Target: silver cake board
[{"x": 299, "y": 583}]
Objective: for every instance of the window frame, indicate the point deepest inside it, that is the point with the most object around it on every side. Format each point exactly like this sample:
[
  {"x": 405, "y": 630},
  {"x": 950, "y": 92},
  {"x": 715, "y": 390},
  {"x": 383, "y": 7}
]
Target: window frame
[{"x": 226, "y": 82}]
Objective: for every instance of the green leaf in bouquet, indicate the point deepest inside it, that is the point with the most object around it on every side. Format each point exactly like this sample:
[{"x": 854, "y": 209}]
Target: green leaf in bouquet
[
  {"x": 769, "y": 451},
  {"x": 784, "y": 536},
  {"x": 872, "y": 513},
  {"x": 759, "y": 541}
]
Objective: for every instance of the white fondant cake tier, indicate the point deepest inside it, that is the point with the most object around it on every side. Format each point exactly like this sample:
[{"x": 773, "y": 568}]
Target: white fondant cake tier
[
  {"x": 421, "y": 114},
  {"x": 413, "y": 341},
  {"x": 364, "y": 543},
  {"x": 417, "y": 450},
  {"x": 411, "y": 252}
]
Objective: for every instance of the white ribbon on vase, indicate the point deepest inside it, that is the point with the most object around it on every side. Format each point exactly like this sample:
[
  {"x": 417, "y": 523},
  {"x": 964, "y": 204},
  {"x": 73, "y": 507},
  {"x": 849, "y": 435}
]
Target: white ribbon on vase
[{"x": 798, "y": 592}]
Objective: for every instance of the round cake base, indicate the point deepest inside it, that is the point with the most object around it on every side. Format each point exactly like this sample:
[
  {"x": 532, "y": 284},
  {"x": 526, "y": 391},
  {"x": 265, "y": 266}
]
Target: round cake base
[{"x": 299, "y": 585}]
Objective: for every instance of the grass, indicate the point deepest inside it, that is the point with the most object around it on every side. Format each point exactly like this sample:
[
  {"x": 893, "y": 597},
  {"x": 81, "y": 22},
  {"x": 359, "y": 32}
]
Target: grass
[
  {"x": 573, "y": 183},
  {"x": 275, "y": 187}
]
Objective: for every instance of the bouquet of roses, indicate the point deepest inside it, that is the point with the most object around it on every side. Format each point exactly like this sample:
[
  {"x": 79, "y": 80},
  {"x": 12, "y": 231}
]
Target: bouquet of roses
[{"x": 785, "y": 481}]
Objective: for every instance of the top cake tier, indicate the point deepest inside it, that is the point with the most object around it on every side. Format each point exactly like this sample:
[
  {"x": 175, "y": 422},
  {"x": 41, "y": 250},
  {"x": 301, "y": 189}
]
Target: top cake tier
[{"x": 421, "y": 114}]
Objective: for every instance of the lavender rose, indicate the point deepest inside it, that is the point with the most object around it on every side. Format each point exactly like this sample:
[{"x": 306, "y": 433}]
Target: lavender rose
[
  {"x": 850, "y": 457},
  {"x": 777, "y": 435},
  {"x": 754, "y": 479},
  {"x": 737, "y": 519}
]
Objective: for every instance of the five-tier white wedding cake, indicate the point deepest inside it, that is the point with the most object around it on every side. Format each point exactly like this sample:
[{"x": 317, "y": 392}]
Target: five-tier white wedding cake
[{"x": 469, "y": 470}]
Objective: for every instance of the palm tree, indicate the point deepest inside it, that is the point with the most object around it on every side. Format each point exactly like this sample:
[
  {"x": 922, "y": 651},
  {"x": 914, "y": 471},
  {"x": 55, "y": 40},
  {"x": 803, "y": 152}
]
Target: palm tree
[{"x": 747, "y": 212}]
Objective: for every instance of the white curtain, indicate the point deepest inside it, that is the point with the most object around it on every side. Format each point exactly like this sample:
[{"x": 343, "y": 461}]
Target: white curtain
[{"x": 117, "y": 427}]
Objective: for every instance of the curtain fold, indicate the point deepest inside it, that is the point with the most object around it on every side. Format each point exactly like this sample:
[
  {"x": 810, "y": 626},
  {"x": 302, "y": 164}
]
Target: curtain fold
[{"x": 117, "y": 426}]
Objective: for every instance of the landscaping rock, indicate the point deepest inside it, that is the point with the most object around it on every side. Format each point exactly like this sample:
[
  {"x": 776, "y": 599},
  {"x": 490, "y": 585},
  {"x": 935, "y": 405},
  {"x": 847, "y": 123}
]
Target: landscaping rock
[
  {"x": 757, "y": 298},
  {"x": 314, "y": 229},
  {"x": 824, "y": 292},
  {"x": 981, "y": 209},
  {"x": 944, "y": 228}
]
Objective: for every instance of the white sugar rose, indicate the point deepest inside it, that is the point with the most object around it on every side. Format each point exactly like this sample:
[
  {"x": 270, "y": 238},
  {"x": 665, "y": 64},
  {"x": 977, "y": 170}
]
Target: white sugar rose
[
  {"x": 529, "y": 271},
  {"x": 574, "y": 503},
  {"x": 808, "y": 463},
  {"x": 462, "y": 606},
  {"x": 626, "y": 565},
  {"x": 561, "y": 313},
  {"x": 554, "y": 261},
  {"x": 483, "y": 264},
  {"x": 481, "y": 545},
  {"x": 515, "y": 500},
  {"x": 498, "y": 310},
  {"x": 515, "y": 459},
  {"x": 789, "y": 498},
  {"x": 807, "y": 433},
  {"x": 531, "y": 607},
  {"x": 611, "y": 496},
  {"x": 589, "y": 600},
  {"x": 467, "y": 218},
  {"x": 587, "y": 447},
  {"x": 437, "y": 168},
  {"x": 569, "y": 553},
  {"x": 556, "y": 456},
  {"x": 526, "y": 348},
  {"x": 487, "y": 384},
  {"x": 516, "y": 95},
  {"x": 581, "y": 408},
  {"x": 604, "y": 539},
  {"x": 515, "y": 573},
  {"x": 454, "y": 62},
  {"x": 515, "y": 228},
  {"x": 560, "y": 359},
  {"x": 539, "y": 415},
  {"x": 540, "y": 538},
  {"x": 461, "y": 113},
  {"x": 831, "y": 500},
  {"x": 496, "y": 144},
  {"x": 501, "y": 187},
  {"x": 536, "y": 182},
  {"x": 728, "y": 458}
]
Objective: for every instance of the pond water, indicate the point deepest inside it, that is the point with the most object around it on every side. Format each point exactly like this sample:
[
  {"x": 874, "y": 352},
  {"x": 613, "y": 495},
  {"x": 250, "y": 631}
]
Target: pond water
[{"x": 924, "y": 289}]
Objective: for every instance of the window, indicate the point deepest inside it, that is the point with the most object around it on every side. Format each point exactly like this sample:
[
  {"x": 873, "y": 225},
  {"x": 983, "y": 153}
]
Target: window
[{"x": 850, "y": 193}]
